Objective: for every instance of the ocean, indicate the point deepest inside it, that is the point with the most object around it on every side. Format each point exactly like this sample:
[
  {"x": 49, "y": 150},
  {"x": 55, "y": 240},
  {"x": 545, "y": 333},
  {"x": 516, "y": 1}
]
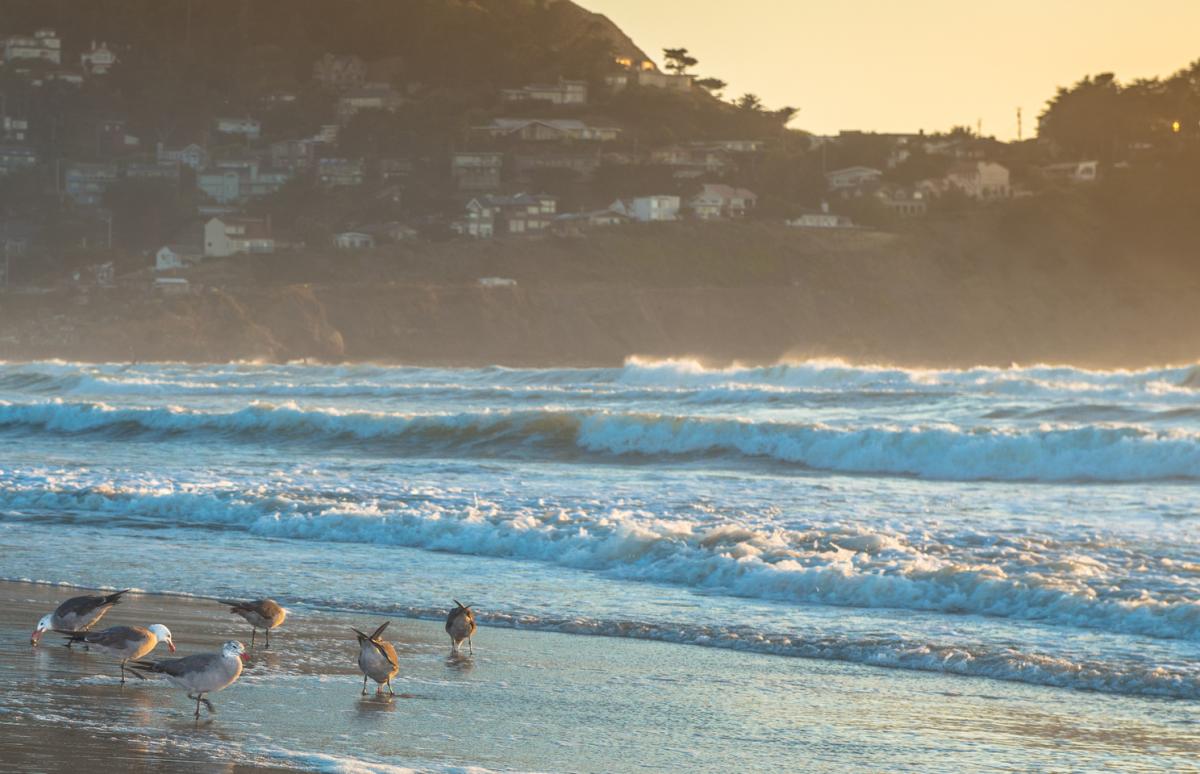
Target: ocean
[{"x": 1032, "y": 525}]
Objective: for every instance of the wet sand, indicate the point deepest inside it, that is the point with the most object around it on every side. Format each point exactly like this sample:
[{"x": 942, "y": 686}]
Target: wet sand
[{"x": 539, "y": 701}]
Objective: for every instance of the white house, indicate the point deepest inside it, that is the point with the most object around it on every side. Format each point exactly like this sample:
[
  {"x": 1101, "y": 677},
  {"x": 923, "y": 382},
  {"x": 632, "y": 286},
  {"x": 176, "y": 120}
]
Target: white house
[
  {"x": 822, "y": 219},
  {"x": 99, "y": 60},
  {"x": 547, "y": 129},
  {"x": 852, "y": 179},
  {"x": 192, "y": 155},
  {"x": 247, "y": 127},
  {"x": 1075, "y": 172},
  {"x": 173, "y": 257},
  {"x": 353, "y": 240},
  {"x": 230, "y": 235},
  {"x": 479, "y": 220},
  {"x": 562, "y": 93},
  {"x": 45, "y": 45},
  {"x": 982, "y": 180},
  {"x": 717, "y": 200},
  {"x": 648, "y": 209}
]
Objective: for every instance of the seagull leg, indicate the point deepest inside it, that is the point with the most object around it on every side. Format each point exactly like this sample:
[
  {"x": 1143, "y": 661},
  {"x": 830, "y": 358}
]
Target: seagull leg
[
  {"x": 197, "y": 698},
  {"x": 364, "y": 690},
  {"x": 253, "y": 631},
  {"x": 389, "y": 685},
  {"x": 122, "y": 673},
  {"x": 268, "y": 635},
  {"x": 471, "y": 646},
  {"x": 208, "y": 705}
]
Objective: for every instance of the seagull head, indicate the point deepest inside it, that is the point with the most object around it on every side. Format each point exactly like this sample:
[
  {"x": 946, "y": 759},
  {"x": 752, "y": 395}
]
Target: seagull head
[
  {"x": 42, "y": 627},
  {"x": 163, "y": 634},
  {"x": 235, "y": 649}
]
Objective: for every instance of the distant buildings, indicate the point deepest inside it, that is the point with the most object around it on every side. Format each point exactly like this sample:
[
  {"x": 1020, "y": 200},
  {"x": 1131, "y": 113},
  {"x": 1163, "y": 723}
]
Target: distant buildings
[
  {"x": 547, "y": 130},
  {"x": 518, "y": 214},
  {"x": 86, "y": 183},
  {"x": 339, "y": 173},
  {"x": 245, "y": 127},
  {"x": 233, "y": 235},
  {"x": 339, "y": 72},
  {"x": 717, "y": 200},
  {"x": 852, "y": 180},
  {"x": 353, "y": 240},
  {"x": 1073, "y": 172},
  {"x": 648, "y": 209},
  {"x": 475, "y": 171},
  {"x": 98, "y": 60},
  {"x": 562, "y": 93},
  {"x": 176, "y": 257},
  {"x": 43, "y": 46},
  {"x": 981, "y": 180},
  {"x": 368, "y": 96},
  {"x": 190, "y": 155},
  {"x": 15, "y": 158}
]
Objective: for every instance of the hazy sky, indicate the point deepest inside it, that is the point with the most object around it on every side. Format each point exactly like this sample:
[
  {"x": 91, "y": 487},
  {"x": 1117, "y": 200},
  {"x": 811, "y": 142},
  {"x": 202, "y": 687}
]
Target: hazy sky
[{"x": 888, "y": 65}]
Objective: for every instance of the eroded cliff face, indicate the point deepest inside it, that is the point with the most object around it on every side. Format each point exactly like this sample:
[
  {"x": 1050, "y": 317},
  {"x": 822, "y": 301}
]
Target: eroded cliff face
[{"x": 665, "y": 294}]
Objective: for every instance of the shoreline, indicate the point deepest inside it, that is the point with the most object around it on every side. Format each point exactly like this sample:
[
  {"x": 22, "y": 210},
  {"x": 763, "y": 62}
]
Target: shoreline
[{"x": 522, "y": 695}]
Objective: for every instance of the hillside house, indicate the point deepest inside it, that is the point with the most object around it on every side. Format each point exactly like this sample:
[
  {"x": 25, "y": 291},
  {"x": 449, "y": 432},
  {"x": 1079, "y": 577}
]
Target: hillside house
[
  {"x": 191, "y": 155},
  {"x": 86, "y": 183},
  {"x": 153, "y": 171},
  {"x": 368, "y": 96},
  {"x": 43, "y": 46},
  {"x": 562, "y": 93},
  {"x": 979, "y": 180},
  {"x": 244, "y": 127},
  {"x": 903, "y": 201},
  {"x": 1073, "y": 172},
  {"x": 692, "y": 161},
  {"x": 581, "y": 166},
  {"x": 13, "y": 129},
  {"x": 853, "y": 181},
  {"x": 518, "y": 214},
  {"x": 233, "y": 235},
  {"x": 98, "y": 60},
  {"x": 353, "y": 240},
  {"x": 177, "y": 257},
  {"x": 16, "y": 158},
  {"x": 340, "y": 173},
  {"x": 475, "y": 171},
  {"x": 648, "y": 209},
  {"x": 649, "y": 79},
  {"x": 576, "y": 223},
  {"x": 339, "y": 72},
  {"x": 546, "y": 130},
  {"x": 717, "y": 200},
  {"x": 820, "y": 219},
  {"x": 294, "y": 155}
]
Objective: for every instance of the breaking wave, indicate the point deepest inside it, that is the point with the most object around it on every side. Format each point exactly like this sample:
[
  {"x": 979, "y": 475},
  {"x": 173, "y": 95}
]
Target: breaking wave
[{"x": 1096, "y": 453}]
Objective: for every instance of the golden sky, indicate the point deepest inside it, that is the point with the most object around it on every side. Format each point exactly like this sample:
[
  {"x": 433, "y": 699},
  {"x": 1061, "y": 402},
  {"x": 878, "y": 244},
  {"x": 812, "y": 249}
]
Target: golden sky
[{"x": 905, "y": 65}]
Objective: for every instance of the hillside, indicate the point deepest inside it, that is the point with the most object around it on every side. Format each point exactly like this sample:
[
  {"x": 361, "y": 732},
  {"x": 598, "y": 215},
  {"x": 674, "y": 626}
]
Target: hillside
[{"x": 947, "y": 295}]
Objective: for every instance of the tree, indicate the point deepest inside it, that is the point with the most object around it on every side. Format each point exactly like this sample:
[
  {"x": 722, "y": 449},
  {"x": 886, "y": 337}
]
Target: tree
[
  {"x": 749, "y": 102},
  {"x": 678, "y": 61},
  {"x": 713, "y": 85}
]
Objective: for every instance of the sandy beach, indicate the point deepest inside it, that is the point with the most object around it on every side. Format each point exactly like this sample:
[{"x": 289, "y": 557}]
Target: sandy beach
[{"x": 541, "y": 701}]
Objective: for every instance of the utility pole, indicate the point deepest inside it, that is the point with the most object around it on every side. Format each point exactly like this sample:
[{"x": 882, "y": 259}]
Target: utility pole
[{"x": 1019, "y": 135}]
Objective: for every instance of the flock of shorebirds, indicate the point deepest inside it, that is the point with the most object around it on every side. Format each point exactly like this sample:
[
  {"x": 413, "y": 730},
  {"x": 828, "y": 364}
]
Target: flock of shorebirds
[{"x": 211, "y": 672}]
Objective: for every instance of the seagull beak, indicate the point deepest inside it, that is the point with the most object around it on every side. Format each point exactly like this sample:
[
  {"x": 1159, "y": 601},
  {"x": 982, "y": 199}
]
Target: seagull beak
[
  {"x": 37, "y": 635},
  {"x": 170, "y": 646},
  {"x": 245, "y": 657}
]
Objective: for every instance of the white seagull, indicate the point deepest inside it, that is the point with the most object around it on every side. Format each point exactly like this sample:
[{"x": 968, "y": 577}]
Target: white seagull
[
  {"x": 127, "y": 643},
  {"x": 76, "y": 615},
  {"x": 202, "y": 673}
]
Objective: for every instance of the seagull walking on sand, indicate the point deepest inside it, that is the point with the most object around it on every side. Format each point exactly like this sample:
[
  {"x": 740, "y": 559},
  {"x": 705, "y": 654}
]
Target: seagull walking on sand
[
  {"x": 128, "y": 643},
  {"x": 377, "y": 659},
  {"x": 76, "y": 615},
  {"x": 460, "y": 625},
  {"x": 265, "y": 614},
  {"x": 202, "y": 673}
]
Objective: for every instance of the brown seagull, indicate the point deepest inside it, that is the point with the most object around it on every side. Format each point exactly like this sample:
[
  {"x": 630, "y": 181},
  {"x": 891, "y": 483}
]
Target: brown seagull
[
  {"x": 263, "y": 614},
  {"x": 76, "y": 615},
  {"x": 377, "y": 659},
  {"x": 127, "y": 642},
  {"x": 460, "y": 625}
]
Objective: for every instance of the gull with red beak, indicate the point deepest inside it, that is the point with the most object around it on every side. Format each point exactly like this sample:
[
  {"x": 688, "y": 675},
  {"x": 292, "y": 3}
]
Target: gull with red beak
[
  {"x": 127, "y": 642},
  {"x": 76, "y": 615},
  {"x": 202, "y": 673}
]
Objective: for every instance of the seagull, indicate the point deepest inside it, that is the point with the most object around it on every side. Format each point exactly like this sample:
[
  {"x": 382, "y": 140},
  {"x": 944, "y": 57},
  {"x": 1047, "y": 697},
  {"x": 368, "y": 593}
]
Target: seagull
[
  {"x": 377, "y": 659},
  {"x": 202, "y": 673},
  {"x": 76, "y": 615},
  {"x": 460, "y": 625},
  {"x": 127, "y": 642},
  {"x": 260, "y": 614}
]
